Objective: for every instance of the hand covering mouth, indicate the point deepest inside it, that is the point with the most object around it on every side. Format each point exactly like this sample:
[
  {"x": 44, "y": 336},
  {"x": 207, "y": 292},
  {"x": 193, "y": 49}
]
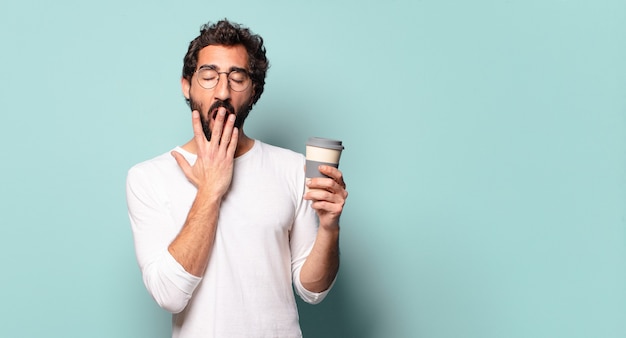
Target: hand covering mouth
[{"x": 218, "y": 104}]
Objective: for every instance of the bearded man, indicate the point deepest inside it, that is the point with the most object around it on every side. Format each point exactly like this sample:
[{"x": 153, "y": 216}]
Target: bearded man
[{"x": 223, "y": 227}]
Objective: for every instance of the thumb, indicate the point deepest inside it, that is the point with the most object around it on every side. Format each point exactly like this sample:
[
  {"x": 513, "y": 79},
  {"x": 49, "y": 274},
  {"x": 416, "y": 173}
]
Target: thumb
[{"x": 184, "y": 165}]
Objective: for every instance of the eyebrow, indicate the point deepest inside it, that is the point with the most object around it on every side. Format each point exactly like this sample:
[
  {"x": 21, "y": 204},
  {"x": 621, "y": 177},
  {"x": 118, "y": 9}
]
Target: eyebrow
[{"x": 214, "y": 67}]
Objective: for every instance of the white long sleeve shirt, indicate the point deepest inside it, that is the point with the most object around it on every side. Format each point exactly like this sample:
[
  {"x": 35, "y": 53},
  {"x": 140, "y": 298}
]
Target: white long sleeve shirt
[{"x": 265, "y": 232}]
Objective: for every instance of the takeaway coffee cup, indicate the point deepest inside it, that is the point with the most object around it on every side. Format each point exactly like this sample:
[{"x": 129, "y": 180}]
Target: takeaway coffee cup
[{"x": 321, "y": 151}]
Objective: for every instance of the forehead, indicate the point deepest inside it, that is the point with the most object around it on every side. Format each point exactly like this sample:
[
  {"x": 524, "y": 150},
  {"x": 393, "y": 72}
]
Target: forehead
[{"x": 223, "y": 57}]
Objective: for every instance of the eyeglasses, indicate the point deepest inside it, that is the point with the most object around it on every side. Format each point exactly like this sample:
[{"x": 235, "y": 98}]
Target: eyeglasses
[{"x": 238, "y": 79}]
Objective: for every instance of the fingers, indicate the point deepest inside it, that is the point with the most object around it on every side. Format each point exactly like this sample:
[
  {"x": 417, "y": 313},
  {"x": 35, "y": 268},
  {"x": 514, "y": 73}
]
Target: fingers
[
  {"x": 232, "y": 145},
  {"x": 327, "y": 207},
  {"x": 332, "y": 188},
  {"x": 228, "y": 130},
  {"x": 222, "y": 131},
  {"x": 321, "y": 190},
  {"x": 214, "y": 162},
  {"x": 216, "y": 132},
  {"x": 198, "y": 133},
  {"x": 334, "y": 184},
  {"x": 328, "y": 199},
  {"x": 333, "y": 173}
]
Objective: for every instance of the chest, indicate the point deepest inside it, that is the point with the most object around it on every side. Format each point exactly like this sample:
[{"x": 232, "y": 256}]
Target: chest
[{"x": 259, "y": 203}]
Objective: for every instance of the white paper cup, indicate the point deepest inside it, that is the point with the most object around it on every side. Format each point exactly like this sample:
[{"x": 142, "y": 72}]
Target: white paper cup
[{"x": 321, "y": 151}]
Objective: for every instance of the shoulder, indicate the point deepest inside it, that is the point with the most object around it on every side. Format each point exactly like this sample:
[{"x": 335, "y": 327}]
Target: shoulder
[
  {"x": 279, "y": 168},
  {"x": 159, "y": 179},
  {"x": 282, "y": 154},
  {"x": 281, "y": 163},
  {"x": 163, "y": 165}
]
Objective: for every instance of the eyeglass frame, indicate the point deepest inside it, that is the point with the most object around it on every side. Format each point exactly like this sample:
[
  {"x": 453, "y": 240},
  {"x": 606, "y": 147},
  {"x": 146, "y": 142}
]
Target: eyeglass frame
[{"x": 232, "y": 69}]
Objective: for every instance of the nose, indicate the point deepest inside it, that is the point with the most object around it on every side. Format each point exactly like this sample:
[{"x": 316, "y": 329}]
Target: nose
[{"x": 222, "y": 89}]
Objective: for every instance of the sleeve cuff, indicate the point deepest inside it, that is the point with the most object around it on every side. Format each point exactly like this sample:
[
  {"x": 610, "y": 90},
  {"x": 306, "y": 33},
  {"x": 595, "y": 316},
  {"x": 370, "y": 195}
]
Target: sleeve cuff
[
  {"x": 182, "y": 279},
  {"x": 309, "y": 296}
]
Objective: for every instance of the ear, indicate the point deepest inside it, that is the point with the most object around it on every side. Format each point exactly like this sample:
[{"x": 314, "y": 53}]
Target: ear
[{"x": 186, "y": 86}]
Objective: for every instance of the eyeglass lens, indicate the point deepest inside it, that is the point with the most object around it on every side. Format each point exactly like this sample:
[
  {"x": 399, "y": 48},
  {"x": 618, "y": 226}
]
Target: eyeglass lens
[{"x": 237, "y": 80}]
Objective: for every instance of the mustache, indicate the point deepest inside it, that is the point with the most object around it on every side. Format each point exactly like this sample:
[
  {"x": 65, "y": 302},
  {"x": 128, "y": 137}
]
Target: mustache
[{"x": 221, "y": 104}]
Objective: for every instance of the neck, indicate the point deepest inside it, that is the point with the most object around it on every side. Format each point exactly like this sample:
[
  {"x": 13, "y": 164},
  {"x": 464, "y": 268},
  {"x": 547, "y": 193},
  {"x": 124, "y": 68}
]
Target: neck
[{"x": 244, "y": 144}]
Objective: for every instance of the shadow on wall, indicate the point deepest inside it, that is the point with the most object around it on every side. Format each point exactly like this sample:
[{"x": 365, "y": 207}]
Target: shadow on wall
[
  {"x": 341, "y": 314},
  {"x": 338, "y": 316}
]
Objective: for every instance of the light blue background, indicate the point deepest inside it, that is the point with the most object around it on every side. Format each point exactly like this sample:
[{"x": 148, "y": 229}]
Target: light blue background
[{"x": 485, "y": 158}]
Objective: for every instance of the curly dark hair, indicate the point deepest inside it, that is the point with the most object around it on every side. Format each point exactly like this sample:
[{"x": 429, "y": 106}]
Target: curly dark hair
[{"x": 226, "y": 33}]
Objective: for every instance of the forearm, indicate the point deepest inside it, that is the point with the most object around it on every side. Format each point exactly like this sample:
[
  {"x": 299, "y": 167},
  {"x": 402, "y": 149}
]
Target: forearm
[
  {"x": 193, "y": 245},
  {"x": 321, "y": 266}
]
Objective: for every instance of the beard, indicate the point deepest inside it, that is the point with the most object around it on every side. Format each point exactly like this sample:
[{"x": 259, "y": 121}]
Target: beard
[{"x": 241, "y": 113}]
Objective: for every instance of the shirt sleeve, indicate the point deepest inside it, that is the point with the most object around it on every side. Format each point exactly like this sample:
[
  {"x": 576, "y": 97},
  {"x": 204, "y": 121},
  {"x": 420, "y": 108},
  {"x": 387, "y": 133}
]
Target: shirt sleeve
[{"x": 153, "y": 230}]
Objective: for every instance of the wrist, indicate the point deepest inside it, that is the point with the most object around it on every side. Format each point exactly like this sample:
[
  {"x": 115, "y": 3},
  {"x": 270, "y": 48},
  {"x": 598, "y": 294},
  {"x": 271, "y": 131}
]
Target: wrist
[
  {"x": 208, "y": 196},
  {"x": 329, "y": 230}
]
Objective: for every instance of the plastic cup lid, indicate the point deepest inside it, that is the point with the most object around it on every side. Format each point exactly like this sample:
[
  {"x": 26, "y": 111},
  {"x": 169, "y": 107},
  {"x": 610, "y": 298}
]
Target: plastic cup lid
[{"x": 324, "y": 143}]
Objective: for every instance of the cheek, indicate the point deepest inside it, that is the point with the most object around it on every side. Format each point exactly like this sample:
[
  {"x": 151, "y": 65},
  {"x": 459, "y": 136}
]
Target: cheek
[
  {"x": 195, "y": 104},
  {"x": 200, "y": 93},
  {"x": 199, "y": 99},
  {"x": 243, "y": 100}
]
